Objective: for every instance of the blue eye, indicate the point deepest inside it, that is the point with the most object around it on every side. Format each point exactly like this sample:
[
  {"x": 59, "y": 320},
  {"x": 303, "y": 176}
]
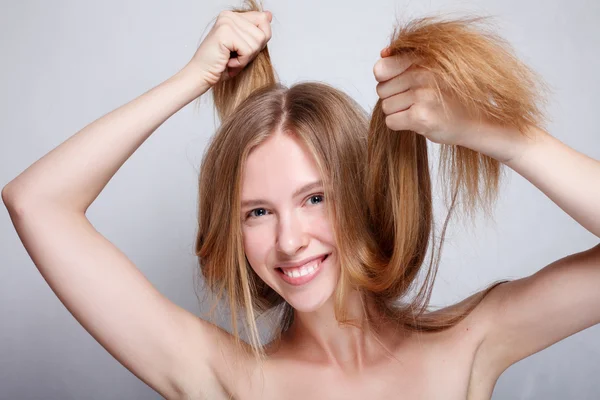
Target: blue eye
[
  {"x": 316, "y": 196},
  {"x": 252, "y": 215},
  {"x": 260, "y": 212}
]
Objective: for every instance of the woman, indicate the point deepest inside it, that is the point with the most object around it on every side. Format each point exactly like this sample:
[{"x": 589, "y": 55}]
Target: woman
[{"x": 284, "y": 221}]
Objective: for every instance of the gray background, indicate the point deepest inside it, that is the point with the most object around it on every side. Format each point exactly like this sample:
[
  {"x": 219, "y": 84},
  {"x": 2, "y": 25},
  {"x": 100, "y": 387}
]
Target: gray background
[{"x": 66, "y": 63}]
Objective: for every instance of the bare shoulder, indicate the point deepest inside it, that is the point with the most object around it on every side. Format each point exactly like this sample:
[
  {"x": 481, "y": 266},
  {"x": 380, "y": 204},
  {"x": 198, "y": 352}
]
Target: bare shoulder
[
  {"x": 481, "y": 308},
  {"x": 519, "y": 318},
  {"x": 231, "y": 361},
  {"x": 465, "y": 340},
  {"x": 477, "y": 312}
]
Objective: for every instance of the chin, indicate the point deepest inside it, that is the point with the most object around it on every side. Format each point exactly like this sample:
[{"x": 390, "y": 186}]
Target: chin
[
  {"x": 313, "y": 295},
  {"x": 309, "y": 303}
]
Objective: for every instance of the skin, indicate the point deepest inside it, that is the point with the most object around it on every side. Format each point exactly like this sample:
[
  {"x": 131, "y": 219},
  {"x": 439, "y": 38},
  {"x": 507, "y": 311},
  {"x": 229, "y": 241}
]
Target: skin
[
  {"x": 286, "y": 228},
  {"x": 182, "y": 356}
]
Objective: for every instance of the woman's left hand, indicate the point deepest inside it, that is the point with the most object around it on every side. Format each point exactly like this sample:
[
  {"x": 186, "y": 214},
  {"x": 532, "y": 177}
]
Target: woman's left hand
[{"x": 410, "y": 101}]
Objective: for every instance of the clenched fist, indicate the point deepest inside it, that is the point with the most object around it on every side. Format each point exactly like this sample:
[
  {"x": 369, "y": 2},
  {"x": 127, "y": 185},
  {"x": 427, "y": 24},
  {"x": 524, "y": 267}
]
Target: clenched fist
[{"x": 234, "y": 40}]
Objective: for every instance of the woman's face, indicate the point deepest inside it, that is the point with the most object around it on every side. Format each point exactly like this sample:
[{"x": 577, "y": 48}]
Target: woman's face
[{"x": 285, "y": 223}]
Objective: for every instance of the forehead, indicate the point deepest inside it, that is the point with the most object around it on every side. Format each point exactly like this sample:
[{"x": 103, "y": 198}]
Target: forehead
[{"x": 279, "y": 164}]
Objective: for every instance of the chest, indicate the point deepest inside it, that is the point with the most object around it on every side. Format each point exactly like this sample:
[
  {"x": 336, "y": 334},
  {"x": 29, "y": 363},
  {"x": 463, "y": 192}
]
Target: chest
[
  {"x": 429, "y": 370},
  {"x": 399, "y": 382}
]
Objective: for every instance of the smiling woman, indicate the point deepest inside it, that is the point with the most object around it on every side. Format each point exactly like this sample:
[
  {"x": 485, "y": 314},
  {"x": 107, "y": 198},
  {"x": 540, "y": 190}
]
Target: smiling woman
[
  {"x": 311, "y": 207},
  {"x": 376, "y": 219}
]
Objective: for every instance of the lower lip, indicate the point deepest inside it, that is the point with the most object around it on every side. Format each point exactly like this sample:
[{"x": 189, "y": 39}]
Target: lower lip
[{"x": 301, "y": 280}]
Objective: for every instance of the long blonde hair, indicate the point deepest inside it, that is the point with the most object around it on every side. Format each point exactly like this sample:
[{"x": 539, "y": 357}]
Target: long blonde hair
[{"x": 377, "y": 182}]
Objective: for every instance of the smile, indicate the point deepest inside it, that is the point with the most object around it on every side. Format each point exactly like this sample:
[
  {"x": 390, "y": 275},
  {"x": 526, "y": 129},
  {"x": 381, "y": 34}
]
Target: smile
[{"x": 302, "y": 274}]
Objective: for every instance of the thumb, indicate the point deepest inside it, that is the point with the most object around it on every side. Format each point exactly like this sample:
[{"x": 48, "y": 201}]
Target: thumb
[{"x": 234, "y": 71}]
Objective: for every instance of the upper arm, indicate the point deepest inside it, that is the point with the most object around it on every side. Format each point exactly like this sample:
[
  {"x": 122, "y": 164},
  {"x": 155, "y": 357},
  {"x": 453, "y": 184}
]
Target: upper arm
[
  {"x": 163, "y": 344},
  {"x": 528, "y": 315}
]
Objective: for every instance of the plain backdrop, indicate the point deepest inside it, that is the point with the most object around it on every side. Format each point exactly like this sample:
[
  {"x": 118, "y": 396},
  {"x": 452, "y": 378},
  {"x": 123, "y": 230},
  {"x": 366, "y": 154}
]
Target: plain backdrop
[{"x": 66, "y": 63}]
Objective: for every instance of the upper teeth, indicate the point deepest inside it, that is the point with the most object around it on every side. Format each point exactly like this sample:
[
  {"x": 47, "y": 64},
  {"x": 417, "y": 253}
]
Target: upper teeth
[{"x": 306, "y": 269}]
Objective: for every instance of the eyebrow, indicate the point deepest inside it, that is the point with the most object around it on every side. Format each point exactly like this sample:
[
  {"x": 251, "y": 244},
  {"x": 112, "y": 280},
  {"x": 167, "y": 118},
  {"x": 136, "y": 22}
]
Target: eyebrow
[{"x": 303, "y": 189}]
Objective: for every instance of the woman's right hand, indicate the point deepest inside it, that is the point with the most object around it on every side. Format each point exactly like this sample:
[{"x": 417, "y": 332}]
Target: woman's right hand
[{"x": 245, "y": 33}]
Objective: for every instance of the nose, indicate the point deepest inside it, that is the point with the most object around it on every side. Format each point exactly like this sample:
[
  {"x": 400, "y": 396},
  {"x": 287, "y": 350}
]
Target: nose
[{"x": 291, "y": 235}]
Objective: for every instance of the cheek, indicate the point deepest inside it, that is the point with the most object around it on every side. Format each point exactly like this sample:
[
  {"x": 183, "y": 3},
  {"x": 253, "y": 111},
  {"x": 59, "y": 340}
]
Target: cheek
[
  {"x": 321, "y": 227},
  {"x": 256, "y": 246}
]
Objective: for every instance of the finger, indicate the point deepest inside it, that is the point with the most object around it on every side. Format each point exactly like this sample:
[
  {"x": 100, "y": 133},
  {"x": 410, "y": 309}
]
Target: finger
[
  {"x": 259, "y": 38},
  {"x": 385, "y": 52},
  {"x": 398, "y": 103},
  {"x": 241, "y": 47},
  {"x": 387, "y": 68},
  {"x": 400, "y": 121},
  {"x": 262, "y": 20},
  {"x": 234, "y": 62},
  {"x": 231, "y": 72},
  {"x": 399, "y": 84}
]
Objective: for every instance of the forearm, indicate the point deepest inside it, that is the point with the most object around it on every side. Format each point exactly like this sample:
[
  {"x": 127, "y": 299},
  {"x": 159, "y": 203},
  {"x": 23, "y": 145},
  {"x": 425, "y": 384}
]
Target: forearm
[
  {"x": 569, "y": 178},
  {"x": 73, "y": 174}
]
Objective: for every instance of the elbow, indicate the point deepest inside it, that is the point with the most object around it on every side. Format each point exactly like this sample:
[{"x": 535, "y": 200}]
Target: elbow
[
  {"x": 7, "y": 196},
  {"x": 8, "y": 199},
  {"x": 13, "y": 202},
  {"x": 18, "y": 202}
]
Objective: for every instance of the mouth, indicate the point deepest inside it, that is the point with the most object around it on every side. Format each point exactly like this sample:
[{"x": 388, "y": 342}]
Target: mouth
[{"x": 303, "y": 274}]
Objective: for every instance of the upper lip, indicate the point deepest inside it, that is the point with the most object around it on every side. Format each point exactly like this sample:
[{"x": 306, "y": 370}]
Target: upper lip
[{"x": 299, "y": 263}]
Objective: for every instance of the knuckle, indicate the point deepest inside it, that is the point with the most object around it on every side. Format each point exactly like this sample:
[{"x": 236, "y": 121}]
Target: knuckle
[
  {"x": 378, "y": 70},
  {"x": 385, "y": 106},
  {"x": 434, "y": 97},
  {"x": 421, "y": 77},
  {"x": 418, "y": 93},
  {"x": 245, "y": 49},
  {"x": 263, "y": 37},
  {"x": 379, "y": 90},
  {"x": 226, "y": 28},
  {"x": 375, "y": 71},
  {"x": 421, "y": 94},
  {"x": 390, "y": 122},
  {"x": 420, "y": 116},
  {"x": 224, "y": 16}
]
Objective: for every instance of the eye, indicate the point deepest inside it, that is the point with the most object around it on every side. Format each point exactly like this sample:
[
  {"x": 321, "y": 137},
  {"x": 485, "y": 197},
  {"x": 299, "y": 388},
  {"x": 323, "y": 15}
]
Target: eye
[
  {"x": 319, "y": 198},
  {"x": 314, "y": 200},
  {"x": 257, "y": 212}
]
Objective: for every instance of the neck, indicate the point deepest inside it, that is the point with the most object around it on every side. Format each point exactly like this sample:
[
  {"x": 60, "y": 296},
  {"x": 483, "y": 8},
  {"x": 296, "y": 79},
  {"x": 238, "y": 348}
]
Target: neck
[{"x": 320, "y": 336}]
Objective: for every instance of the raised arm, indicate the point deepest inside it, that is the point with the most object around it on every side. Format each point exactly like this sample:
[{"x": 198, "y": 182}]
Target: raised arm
[
  {"x": 521, "y": 317},
  {"x": 563, "y": 298},
  {"x": 166, "y": 346}
]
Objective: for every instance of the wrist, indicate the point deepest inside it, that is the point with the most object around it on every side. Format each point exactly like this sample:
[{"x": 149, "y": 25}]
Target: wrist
[
  {"x": 195, "y": 77},
  {"x": 503, "y": 143},
  {"x": 530, "y": 141}
]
